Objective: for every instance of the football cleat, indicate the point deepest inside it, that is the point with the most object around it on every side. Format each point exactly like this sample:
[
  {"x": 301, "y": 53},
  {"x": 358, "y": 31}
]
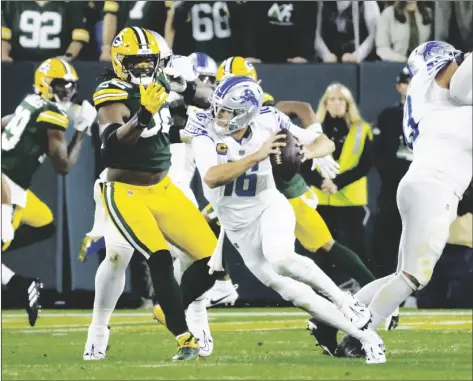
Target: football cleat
[
  {"x": 96, "y": 346},
  {"x": 392, "y": 321},
  {"x": 325, "y": 336},
  {"x": 188, "y": 348},
  {"x": 373, "y": 346},
  {"x": 205, "y": 341},
  {"x": 220, "y": 295},
  {"x": 356, "y": 312},
  {"x": 33, "y": 307}
]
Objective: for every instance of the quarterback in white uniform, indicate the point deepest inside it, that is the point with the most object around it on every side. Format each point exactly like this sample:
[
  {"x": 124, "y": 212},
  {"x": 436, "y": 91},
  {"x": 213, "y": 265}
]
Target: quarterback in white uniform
[
  {"x": 232, "y": 143},
  {"x": 438, "y": 127}
]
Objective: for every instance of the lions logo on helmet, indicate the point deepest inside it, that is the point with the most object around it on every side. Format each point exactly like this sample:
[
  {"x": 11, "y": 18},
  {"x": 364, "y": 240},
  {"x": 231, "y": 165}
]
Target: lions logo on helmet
[{"x": 432, "y": 55}]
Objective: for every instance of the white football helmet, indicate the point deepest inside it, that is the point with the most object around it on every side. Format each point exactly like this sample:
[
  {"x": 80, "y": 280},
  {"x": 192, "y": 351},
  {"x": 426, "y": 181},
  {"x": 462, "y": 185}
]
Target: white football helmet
[
  {"x": 239, "y": 95},
  {"x": 432, "y": 55}
]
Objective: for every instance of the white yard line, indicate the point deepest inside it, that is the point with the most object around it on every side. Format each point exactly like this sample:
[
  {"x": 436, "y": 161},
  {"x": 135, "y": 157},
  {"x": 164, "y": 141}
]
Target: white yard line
[{"x": 6, "y": 315}]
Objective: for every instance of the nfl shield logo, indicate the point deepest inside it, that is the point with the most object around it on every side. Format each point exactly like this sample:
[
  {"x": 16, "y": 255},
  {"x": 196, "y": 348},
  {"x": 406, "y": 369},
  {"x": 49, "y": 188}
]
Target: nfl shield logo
[
  {"x": 130, "y": 193},
  {"x": 242, "y": 152}
]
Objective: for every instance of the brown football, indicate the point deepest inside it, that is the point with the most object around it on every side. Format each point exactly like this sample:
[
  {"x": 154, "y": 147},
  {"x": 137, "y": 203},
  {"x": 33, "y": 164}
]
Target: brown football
[{"x": 288, "y": 162}]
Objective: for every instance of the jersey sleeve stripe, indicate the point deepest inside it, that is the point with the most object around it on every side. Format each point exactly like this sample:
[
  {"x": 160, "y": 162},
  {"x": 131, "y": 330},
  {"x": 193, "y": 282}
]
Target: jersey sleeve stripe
[
  {"x": 80, "y": 35},
  {"x": 111, "y": 6},
  {"x": 53, "y": 118},
  {"x": 103, "y": 99},
  {"x": 6, "y": 33}
]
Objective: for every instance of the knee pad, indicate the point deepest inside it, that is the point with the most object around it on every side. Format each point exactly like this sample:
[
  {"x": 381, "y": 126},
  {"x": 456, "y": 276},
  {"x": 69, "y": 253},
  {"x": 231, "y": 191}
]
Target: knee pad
[{"x": 290, "y": 265}]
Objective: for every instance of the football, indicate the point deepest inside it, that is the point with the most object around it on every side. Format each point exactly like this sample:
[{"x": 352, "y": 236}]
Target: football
[{"x": 287, "y": 163}]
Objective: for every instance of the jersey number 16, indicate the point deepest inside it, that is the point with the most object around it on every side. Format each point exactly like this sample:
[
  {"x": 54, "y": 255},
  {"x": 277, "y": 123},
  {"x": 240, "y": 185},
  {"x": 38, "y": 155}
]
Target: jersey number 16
[{"x": 245, "y": 185}]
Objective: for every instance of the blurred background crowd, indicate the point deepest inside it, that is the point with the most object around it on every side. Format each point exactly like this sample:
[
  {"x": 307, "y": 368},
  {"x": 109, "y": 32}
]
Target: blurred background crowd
[{"x": 290, "y": 32}]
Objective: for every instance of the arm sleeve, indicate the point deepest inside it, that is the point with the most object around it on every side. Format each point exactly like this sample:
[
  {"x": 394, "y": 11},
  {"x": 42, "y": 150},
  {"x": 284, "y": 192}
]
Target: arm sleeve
[
  {"x": 205, "y": 153},
  {"x": 77, "y": 22},
  {"x": 304, "y": 135},
  {"x": 371, "y": 15},
  {"x": 460, "y": 84},
  {"x": 361, "y": 169},
  {"x": 311, "y": 177}
]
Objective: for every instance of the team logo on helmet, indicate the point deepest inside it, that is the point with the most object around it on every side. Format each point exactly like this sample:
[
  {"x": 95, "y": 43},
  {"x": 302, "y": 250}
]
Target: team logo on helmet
[
  {"x": 117, "y": 41},
  {"x": 45, "y": 67},
  {"x": 249, "y": 97}
]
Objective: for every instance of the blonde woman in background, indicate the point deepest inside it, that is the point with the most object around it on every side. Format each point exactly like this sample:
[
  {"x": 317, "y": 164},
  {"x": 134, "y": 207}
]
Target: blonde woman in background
[{"x": 343, "y": 200}]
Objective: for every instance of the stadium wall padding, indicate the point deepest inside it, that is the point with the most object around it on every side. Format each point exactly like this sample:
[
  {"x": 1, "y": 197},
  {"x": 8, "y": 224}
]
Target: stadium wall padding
[{"x": 372, "y": 84}]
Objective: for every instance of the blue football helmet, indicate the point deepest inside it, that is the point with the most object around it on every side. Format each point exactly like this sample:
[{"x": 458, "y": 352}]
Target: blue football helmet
[
  {"x": 241, "y": 97},
  {"x": 206, "y": 67}
]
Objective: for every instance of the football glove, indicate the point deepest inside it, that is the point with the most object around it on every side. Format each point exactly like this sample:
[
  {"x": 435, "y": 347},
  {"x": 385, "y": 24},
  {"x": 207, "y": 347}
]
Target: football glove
[
  {"x": 176, "y": 81},
  {"x": 85, "y": 117},
  {"x": 327, "y": 166},
  {"x": 153, "y": 97}
]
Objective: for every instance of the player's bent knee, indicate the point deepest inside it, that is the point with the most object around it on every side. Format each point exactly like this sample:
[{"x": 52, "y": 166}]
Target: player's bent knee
[
  {"x": 412, "y": 281},
  {"x": 119, "y": 255}
]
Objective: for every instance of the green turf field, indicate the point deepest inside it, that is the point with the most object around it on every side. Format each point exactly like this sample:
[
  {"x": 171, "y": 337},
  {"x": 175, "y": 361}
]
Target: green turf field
[{"x": 250, "y": 344}]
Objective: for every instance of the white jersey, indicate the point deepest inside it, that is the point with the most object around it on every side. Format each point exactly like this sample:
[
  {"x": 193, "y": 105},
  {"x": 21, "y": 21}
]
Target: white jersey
[
  {"x": 240, "y": 202},
  {"x": 438, "y": 129}
]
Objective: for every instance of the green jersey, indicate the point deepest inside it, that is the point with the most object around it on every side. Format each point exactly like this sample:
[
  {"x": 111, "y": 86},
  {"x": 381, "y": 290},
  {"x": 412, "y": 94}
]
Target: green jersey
[
  {"x": 25, "y": 139},
  {"x": 151, "y": 153},
  {"x": 38, "y": 30},
  {"x": 145, "y": 14},
  {"x": 296, "y": 186}
]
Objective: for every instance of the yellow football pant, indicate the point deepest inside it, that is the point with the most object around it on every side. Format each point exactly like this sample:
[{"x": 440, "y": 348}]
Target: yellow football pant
[{"x": 147, "y": 216}]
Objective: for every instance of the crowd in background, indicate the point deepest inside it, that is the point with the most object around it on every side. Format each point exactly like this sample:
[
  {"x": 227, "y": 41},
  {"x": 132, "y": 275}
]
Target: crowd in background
[
  {"x": 292, "y": 32},
  {"x": 262, "y": 31}
]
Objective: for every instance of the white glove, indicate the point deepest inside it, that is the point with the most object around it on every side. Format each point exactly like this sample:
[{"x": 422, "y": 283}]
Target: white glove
[
  {"x": 85, "y": 117},
  {"x": 327, "y": 166},
  {"x": 176, "y": 80}
]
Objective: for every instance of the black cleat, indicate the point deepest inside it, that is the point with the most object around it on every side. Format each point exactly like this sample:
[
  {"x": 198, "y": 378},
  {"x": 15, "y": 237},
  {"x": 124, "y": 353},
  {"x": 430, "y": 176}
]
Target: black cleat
[
  {"x": 33, "y": 294},
  {"x": 349, "y": 347},
  {"x": 325, "y": 335}
]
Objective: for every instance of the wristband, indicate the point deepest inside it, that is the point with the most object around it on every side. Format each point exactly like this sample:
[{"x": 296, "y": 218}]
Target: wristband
[{"x": 144, "y": 117}]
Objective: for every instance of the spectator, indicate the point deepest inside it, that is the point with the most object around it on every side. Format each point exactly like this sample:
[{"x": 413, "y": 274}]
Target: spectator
[
  {"x": 343, "y": 201},
  {"x": 402, "y": 27},
  {"x": 38, "y": 30},
  {"x": 120, "y": 14},
  {"x": 93, "y": 15},
  {"x": 290, "y": 24},
  {"x": 453, "y": 23},
  {"x": 211, "y": 27},
  {"x": 346, "y": 30},
  {"x": 392, "y": 158}
]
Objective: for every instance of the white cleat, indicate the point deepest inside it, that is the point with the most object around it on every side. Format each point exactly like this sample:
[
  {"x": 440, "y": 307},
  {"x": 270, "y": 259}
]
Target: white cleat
[
  {"x": 373, "y": 347},
  {"x": 206, "y": 342},
  {"x": 97, "y": 342},
  {"x": 218, "y": 295},
  {"x": 392, "y": 321},
  {"x": 356, "y": 312}
]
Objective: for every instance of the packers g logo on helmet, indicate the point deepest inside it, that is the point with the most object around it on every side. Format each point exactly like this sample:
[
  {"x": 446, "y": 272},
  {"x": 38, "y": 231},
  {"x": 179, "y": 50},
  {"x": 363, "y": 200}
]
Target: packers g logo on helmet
[
  {"x": 56, "y": 80},
  {"x": 135, "y": 55},
  {"x": 236, "y": 66}
]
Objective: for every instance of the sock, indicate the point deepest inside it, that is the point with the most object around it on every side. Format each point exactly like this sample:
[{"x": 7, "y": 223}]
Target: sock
[
  {"x": 167, "y": 291},
  {"x": 27, "y": 235},
  {"x": 109, "y": 284},
  {"x": 351, "y": 263},
  {"x": 7, "y": 228},
  {"x": 7, "y": 274},
  {"x": 196, "y": 280},
  {"x": 196, "y": 315},
  {"x": 387, "y": 299},
  {"x": 366, "y": 294},
  {"x": 224, "y": 285}
]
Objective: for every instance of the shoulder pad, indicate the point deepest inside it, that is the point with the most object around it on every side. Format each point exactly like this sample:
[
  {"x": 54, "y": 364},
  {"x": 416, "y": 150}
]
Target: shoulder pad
[{"x": 114, "y": 90}]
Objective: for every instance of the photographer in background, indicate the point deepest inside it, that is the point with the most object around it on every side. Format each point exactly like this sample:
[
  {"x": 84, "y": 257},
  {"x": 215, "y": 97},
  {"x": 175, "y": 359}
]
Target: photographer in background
[{"x": 392, "y": 159}]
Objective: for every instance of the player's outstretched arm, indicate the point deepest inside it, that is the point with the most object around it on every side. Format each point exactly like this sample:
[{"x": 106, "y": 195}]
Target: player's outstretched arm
[
  {"x": 321, "y": 147},
  {"x": 64, "y": 156},
  {"x": 302, "y": 110},
  {"x": 461, "y": 82}
]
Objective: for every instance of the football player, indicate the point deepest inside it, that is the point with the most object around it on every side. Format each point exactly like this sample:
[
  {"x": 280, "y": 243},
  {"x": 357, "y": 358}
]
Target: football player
[
  {"x": 145, "y": 209},
  {"x": 232, "y": 143},
  {"x": 34, "y": 131},
  {"x": 437, "y": 127}
]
